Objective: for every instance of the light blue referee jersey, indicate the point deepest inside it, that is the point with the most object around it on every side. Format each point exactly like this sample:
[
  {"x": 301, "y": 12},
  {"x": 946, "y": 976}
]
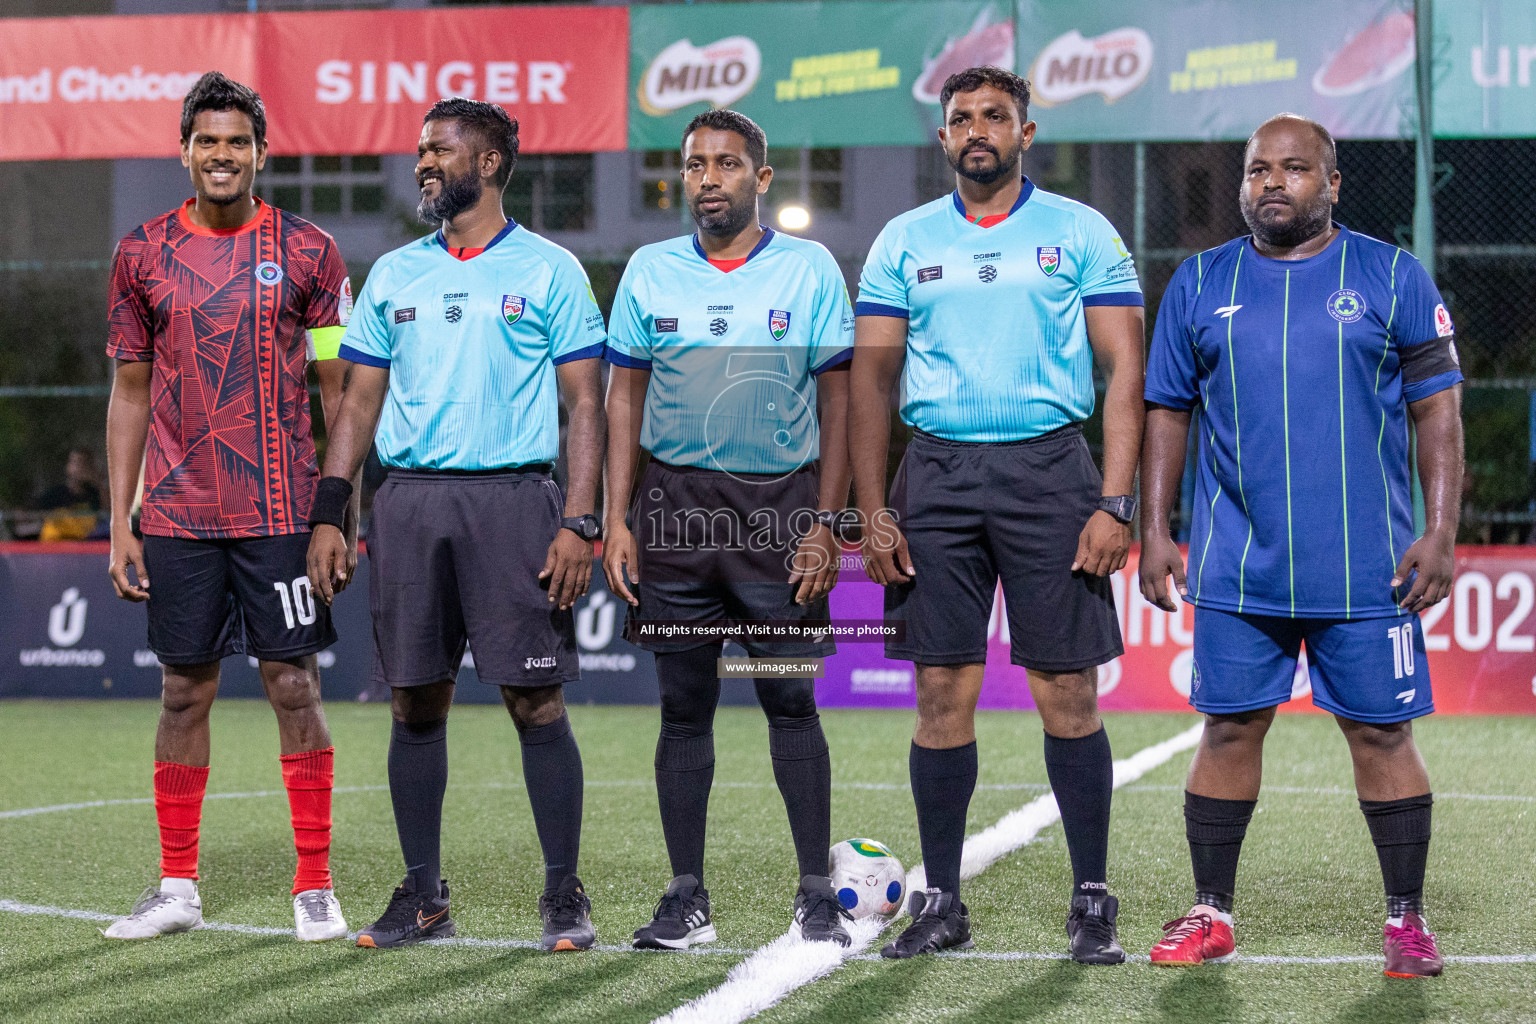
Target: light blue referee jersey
[
  {"x": 471, "y": 346},
  {"x": 997, "y": 342},
  {"x": 733, "y": 355}
]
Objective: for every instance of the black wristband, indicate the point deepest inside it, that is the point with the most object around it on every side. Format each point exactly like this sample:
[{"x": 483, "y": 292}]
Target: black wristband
[{"x": 332, "y": 495}]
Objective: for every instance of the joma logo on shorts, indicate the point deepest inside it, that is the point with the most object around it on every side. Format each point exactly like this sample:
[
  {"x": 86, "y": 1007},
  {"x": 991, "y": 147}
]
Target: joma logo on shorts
[{"x": 548, "y": 661}]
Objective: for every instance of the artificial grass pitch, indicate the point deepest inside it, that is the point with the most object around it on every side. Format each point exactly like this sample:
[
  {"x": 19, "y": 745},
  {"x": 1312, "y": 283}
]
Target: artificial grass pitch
[{"x": 1308, "y": 886}]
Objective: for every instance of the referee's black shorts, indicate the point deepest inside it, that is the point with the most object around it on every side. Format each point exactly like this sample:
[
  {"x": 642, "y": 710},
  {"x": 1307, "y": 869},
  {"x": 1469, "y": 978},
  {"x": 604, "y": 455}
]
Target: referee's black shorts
[
  {"x": 456, "y": 557},
  {"x": 717, "y": 547},
  {"x": 974, "y": 512}
]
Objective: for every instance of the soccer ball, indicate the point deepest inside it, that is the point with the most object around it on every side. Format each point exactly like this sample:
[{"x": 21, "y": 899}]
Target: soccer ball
[{"x": 868, "y": 878}]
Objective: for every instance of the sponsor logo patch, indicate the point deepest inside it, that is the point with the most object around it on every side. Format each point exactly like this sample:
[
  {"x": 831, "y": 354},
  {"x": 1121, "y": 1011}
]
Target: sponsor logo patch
[
  {"x": 1346, "y": 305},
  {"x": 1225, "y": 312},
  {"x": 453, "y": 314},
  {"x": 512, "y": 308},
  {"x": 1443, "y": 326},
  {"x": 345, "y": 310},
  {"x": 406, "y": 315},
  {"x": 548, "y": 661},
  {"x": 1049, "y": 258},
  {"x": 987, "y": 272},
  {"x": 718, "y": 326},
  {"x": 778, "y": 323},
  {"x": 927, "y": 274},
  {"x": 666, "y": 325},
  {"x": 269, "y": 273}
]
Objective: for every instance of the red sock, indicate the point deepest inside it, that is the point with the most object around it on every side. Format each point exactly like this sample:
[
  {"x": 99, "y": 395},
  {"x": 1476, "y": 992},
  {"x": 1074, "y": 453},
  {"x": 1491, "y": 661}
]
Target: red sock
[
  {"x": 179, "y": 792},
  {"x": 308, "y": 776}
]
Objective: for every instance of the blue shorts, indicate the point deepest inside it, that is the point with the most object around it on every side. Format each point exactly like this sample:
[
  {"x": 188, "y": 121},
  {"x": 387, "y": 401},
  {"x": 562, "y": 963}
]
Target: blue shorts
[{"x": 1366, "y": 670}]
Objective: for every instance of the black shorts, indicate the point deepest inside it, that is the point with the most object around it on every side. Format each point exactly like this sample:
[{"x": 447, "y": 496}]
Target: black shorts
[
  {"x": 717, "y": 547},
  {"x": 209, "y": 599},
  {"x": 972, "y": 513},
  {"x": 455, "y": 557}
]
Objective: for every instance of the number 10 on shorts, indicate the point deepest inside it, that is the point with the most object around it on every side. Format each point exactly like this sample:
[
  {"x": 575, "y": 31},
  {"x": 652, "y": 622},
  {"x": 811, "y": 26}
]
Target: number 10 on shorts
[
  {"x": 303, "y": 602},
  {"x": 1401, "y": 638}
]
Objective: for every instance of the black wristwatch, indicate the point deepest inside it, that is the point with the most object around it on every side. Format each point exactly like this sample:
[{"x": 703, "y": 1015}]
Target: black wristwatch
[
  {"x": 1121, "y": 506},
  {"x": 586, "y": 527},
  {"x": 829, "y": 520}
]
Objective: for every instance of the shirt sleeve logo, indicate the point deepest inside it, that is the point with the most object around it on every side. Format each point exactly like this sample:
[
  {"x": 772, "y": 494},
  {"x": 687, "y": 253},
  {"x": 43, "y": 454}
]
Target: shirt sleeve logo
[
  {"x": 512, "y": 308},
  {"x": 344, "y": 312},
  {"x": 1049, "y": 258},
  {"x": 778, "y": 323},
  {"x": 927, "y": 274},
  {"x": 406, "y": 315},
  {"x": 1443, "y": 326},
  {"x": 1346, "y": 305},
  {"x": 269, "y": 273}
]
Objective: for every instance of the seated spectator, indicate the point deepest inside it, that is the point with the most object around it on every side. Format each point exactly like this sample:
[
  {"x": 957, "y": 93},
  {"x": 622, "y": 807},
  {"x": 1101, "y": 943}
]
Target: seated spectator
[{"x": 79, "y": 491}]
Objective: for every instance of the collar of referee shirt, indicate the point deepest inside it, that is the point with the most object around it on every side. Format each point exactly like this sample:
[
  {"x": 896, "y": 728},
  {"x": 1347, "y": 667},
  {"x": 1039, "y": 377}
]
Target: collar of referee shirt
[
  {"x": 762, "y": 243},
  {"x": 450, "y": 250},
  {"x": 1025, "y": 191}
]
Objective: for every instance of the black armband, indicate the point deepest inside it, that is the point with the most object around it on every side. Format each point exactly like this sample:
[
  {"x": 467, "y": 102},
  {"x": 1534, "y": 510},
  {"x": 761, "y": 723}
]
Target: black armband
[
  {"x": 332, "y": 495},
  {"x": 1429, "y": 359}
]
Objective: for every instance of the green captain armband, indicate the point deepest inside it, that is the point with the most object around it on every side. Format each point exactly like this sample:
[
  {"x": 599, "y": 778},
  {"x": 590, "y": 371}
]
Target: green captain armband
[{"x": 325, "y": 342}]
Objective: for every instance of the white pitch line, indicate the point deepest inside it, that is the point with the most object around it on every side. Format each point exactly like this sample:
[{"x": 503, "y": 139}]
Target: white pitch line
[
  {"x": 27, "y": 812},
  {"x": 788, "y": 962}
]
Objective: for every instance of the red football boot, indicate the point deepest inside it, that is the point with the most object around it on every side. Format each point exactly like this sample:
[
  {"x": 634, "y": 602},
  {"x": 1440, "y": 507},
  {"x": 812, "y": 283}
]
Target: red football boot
[
  {"x": 1194, "y": 939},
  {"x": 1410, "y": 949}
]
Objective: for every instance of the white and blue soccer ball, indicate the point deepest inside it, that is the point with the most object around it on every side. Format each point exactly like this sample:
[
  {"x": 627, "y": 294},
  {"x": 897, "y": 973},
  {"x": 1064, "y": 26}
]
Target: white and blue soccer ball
[{"x": 868, "y": 878}]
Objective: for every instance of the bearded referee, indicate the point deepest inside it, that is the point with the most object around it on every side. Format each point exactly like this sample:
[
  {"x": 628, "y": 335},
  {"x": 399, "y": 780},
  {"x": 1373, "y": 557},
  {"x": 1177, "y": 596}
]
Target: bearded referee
[
  {"x": 459, "y": 341},
  {"x": 1307, "y": 349},
  {"x": 729, "y": 350},
  {"x": 997, "y": 300}
]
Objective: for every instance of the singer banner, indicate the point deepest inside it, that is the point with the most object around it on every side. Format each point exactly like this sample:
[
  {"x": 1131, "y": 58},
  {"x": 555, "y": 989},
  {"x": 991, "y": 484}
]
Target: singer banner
[{"x": 337, "y": 82}]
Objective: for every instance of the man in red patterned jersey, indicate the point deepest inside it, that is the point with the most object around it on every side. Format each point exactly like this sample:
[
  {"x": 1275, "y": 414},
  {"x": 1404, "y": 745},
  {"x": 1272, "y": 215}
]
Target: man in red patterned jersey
[{"x": 217, "y": 309}]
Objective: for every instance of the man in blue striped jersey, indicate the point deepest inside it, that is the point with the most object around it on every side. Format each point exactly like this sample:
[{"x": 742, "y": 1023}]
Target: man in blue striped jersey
[
  {"x": 1307, "y": 349},
  {"x": 459, "y": 340},
  {"x": 996, "y": 301},
  {"x": 726, "y": 348}
]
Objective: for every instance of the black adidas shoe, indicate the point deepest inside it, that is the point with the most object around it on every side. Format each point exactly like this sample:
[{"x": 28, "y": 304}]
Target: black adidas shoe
[
  {"x": 819, "y": 915},
  {"x": 567, "y": 915},
  {"x": 411, "y": 917},
  {"x": 681, "y": 919},
  {"x": 1091, "y": 930},
  {"x": 942, "y": 922}
]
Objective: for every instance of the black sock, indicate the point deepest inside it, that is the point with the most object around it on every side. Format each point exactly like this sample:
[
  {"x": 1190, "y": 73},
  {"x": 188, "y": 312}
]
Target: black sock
[
  {"x": 1215, "y": 829},
  {"x": 685, "y": 771},
  {"x": 942, "y": 784},
  {"x": 552, "y": 773},
  {"x": 1400, "y": 830},
  {"x": 1082, "y": 774},
  {"x": 685, "y": 753},
  {"x": 801, "y": 766},
  {"x": 418, "y": 774}
]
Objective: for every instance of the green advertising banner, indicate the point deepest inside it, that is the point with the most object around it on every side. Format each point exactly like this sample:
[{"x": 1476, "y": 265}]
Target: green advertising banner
[
  {"x": 1215, "y": 69},
  {"x": 812, "y": 74},
  {"x": 1485, "y": 68}
]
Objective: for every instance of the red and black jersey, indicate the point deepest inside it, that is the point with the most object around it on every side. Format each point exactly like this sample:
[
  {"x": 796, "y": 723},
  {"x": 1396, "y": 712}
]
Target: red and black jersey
[{"x": 224, "y": 314}]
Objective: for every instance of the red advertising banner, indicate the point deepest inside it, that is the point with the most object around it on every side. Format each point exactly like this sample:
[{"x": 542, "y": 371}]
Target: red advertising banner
[
  {"x": 359, "y": 81},
  {"x": 342, "y": 82},
  {"x": 1481, "y": 644},
  {"x": 98, "y": 88}
]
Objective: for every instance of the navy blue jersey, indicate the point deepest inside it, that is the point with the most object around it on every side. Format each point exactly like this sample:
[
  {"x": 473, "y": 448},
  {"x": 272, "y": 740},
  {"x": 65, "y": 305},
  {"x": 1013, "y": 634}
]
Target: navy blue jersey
[{"x": 1303, "y": 504}]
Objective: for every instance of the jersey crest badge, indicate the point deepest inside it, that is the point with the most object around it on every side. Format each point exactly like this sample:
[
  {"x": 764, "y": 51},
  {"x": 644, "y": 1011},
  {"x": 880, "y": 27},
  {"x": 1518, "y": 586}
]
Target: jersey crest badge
[
  {"x": 1049, "y": 258},
  {"x": 1346, "y": 305},
  {"x": 778, "y": 323},
  {"x": 512, "y": 308},
  {"x": 269, "y": 273}
]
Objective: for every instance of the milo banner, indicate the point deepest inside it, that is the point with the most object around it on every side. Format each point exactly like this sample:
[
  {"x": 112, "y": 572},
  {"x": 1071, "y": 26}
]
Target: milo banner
[
  {"x": 1485, "y": 68},
  {"x": 812, "y": 74},
  {"x": 1214, "y": 69}
]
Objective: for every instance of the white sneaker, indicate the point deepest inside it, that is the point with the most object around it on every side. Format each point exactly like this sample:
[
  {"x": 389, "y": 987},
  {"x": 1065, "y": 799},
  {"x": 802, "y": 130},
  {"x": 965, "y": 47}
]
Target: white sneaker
[
  {"x": 158, "y": 913},
  {"x": 317, "y": 916}
]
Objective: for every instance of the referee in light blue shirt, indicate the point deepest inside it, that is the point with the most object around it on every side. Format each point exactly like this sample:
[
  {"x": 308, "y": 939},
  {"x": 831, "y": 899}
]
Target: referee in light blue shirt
[
  {"x": 997, "y": 300},
  {"x": 456, "y": 347},
  {"x": 730, "y": 349}
]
